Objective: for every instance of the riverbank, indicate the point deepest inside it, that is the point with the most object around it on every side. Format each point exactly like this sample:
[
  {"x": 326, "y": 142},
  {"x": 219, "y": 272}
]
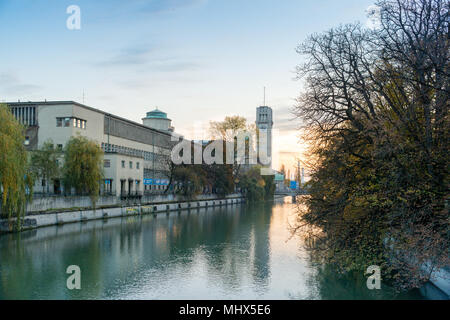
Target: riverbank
[{"x": 72, "y": 215}]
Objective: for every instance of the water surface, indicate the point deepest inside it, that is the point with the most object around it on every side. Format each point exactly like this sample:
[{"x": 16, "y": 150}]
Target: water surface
[{"x": 234, "y": 252}]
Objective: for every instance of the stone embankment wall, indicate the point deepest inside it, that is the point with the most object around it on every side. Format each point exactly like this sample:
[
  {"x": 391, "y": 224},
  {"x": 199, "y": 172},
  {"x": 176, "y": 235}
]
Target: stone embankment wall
[
  {"x": 55, "y": 203},
  {"x": 57, "y": 218}
]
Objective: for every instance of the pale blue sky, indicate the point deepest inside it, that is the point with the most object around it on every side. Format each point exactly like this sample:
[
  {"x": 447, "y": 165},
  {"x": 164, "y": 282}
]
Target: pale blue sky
[{"x": 198, "y": 60}]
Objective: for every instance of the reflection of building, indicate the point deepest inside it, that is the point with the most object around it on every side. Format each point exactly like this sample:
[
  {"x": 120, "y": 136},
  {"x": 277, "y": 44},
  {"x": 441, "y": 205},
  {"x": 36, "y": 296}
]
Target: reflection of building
[
  {"x": 261, "y": 245},
  {"x": 132, "y": 151}
]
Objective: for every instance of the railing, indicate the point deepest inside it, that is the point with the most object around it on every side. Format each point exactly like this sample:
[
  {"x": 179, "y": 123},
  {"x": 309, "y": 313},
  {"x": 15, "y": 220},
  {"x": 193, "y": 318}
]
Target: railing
[
  {"x": 131, "y": 194},
  {"x": 38, "y": 195}
]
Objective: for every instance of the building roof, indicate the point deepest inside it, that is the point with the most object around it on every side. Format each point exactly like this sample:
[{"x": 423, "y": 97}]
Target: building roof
[
  {"x": 156, "y": 114},
  {"x": 86, "y": 107}
]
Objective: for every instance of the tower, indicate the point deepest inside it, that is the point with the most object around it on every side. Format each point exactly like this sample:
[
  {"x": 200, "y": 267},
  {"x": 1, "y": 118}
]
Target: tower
[
  {"x": 157, "y": 119},
  {"x": 264, "y": 123}
]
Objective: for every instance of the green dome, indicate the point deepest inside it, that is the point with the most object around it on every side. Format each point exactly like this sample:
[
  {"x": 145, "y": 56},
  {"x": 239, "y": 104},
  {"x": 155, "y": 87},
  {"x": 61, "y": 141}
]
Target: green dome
[{"x": 156, "y": 114}]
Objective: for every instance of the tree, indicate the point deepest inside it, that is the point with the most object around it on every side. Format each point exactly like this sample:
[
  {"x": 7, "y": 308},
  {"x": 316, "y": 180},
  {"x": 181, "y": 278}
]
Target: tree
[
  {"x": 83, "y": 167},
  {"x": 190, "y": 178},
  {"x": 16, "y": 182},
  {"x": 44, "y": 163},
  {"x": 375, "y": 108},
  {"x": 228, "y": 130},
  {"x": 256, "y": 187}
]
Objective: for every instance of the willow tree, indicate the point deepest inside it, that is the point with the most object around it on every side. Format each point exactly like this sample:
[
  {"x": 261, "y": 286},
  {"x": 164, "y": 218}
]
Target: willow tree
[
  {"x": 83, "y": 168},
  {"x": 44, "y": 163},
  {"x": 15, "y": 182}
]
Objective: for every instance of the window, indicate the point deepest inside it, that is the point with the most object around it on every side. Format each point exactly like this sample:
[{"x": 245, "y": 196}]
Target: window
[
  {"x": 68, "y": 121},
  {"x": 27, "y": 141},
  {"x": 137, "y": 165},
  {"x": 59, "y": 147},
  {"x": 123, "y": 164},
  {"x": 107, "y": 163},
  {"x": 131, "y": 164}
]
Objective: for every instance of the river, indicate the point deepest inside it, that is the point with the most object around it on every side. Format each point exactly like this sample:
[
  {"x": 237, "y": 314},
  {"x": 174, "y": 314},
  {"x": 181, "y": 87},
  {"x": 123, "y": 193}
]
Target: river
[{"x": 242, "y": 251}]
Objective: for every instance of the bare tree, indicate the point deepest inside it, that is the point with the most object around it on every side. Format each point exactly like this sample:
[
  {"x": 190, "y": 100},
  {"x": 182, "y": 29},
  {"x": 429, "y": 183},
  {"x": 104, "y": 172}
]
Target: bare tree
[{"x": 376, "y": 101}]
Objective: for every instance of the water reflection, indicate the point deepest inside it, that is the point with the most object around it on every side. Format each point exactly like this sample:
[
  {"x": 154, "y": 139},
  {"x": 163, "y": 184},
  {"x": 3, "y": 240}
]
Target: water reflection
[{"x": 234, "y": 252}]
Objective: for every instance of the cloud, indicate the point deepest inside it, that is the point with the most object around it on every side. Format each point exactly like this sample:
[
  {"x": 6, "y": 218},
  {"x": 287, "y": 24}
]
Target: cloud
[
  {"x": 11, "y": 84},
  {"x": 136, "y": 10},
  {"x": 285, "y": 120},
  {"x": 173, "y": 65},
  {"x": 148, "y": 58},
  {"x": 134, "y": 55},
  {"x": 158, "y": 6}
]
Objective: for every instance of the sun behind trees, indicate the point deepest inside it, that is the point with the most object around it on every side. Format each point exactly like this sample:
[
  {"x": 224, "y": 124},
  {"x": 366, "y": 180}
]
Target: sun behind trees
[{"x": 375, "y": 107}]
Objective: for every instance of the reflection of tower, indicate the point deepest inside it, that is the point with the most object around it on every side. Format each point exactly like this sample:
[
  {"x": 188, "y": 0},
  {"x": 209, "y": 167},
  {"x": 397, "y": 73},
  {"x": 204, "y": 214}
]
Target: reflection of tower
[
  {"x": 261, "y": 244},
  {"x": 264, "y": 123}
]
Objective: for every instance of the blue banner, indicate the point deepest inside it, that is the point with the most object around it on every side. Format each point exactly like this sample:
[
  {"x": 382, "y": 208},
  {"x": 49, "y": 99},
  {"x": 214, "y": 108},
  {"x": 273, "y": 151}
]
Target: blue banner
[{"x": 156, "y": 182}]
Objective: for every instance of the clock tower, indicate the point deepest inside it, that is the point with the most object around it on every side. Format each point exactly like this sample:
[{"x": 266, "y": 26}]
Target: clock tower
[{"x": 264, "y": 124}]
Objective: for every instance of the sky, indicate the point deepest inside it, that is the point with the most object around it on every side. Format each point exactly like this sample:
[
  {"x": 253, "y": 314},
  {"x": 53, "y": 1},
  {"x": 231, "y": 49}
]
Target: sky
[{"x": 197, "y": 60}]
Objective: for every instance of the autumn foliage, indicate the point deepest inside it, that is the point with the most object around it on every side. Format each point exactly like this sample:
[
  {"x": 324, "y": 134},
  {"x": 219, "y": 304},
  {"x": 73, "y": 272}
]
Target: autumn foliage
[{"x": 375, "y": 109}]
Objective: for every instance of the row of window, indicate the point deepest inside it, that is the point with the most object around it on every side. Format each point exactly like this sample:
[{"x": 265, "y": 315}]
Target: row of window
[
  {"x": 154, "y": 187},
  {"x": 71, "y": 121},
  {"x": 25, "y": 115},
  {"x": 263, "y": 117},
  {"x": 130, "y": 164},
  {"x": 148, "y": 156},
  {"x": 107, "y": 164}
]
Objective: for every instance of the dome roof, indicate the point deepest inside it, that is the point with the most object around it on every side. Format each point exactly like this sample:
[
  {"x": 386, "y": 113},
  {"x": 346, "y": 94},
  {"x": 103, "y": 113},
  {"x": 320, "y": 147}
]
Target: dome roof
[{"x": 156, "y": 114}]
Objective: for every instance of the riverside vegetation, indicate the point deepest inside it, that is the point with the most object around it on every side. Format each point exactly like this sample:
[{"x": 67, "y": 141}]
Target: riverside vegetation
[{"x": 375, "y": 113}]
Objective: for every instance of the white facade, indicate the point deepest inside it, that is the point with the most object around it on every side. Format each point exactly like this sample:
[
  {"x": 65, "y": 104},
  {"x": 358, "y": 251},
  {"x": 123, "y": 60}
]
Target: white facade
[{"x": 132, "y": 151}]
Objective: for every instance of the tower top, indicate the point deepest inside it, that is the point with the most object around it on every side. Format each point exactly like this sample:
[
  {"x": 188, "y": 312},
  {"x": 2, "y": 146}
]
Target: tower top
[{"x": 264, "y": 116}]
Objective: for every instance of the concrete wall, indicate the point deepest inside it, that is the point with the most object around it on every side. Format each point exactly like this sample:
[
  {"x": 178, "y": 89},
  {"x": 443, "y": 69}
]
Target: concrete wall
[
  {"x": 130, "y": 131},
  {"x": 47, "y": 115},
  {"x": 39, "y": 205},
  {"x": 59, "y": 202},
  {"x": 58, "y": 218},
  {"x": 117, "y": 173}
]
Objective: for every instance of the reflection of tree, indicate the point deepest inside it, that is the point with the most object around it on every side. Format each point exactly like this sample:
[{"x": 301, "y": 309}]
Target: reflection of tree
[{"x": 328, "y": 284}]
